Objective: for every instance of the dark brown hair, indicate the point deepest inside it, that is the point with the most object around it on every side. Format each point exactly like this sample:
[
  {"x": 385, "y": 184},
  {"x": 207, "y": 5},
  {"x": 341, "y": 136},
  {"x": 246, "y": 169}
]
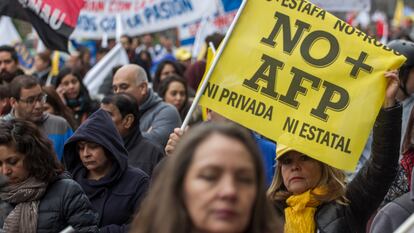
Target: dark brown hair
[
  {"x": 45, "y": 56},
  {"x": 58, "y": 106},
  {"x": 39, "y": 157},
  {"x": 165, "y": 84},
  {"x": 21, "y": 82},
  {"x": 157, "y": 76},
  {"x": 163, "y": 211}
]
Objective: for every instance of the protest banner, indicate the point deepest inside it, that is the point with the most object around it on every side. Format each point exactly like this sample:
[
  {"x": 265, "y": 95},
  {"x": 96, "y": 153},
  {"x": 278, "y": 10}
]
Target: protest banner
[
  {"x": 138, "y": 16},
  {"x": 297, "y": 74},
  {"x": 54, "y": 20}
]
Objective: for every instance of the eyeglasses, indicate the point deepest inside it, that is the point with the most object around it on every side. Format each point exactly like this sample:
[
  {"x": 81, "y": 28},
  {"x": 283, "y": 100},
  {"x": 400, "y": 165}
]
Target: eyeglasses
[{"x": 33, "y": 99}]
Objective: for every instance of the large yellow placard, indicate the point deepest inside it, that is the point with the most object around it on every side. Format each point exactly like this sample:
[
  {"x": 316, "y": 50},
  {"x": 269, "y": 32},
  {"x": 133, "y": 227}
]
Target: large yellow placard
[{"x": 297, "y": 74}]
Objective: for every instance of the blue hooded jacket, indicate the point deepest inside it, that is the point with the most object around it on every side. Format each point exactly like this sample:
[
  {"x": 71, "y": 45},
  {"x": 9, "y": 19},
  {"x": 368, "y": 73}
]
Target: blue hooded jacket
[{"x": 116, "y": 196}]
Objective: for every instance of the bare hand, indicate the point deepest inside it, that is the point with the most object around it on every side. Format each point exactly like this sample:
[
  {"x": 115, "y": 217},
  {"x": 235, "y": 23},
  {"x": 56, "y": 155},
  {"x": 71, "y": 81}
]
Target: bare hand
[
  {"x": 173, "y": 140},
  {"x": 61, "y": 92},
  {"x": 392, "y": 88}
]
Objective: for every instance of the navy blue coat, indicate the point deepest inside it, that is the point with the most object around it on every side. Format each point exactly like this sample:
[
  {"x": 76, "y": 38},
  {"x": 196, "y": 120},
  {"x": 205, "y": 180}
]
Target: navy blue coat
[{"x": 117, "y": 196}]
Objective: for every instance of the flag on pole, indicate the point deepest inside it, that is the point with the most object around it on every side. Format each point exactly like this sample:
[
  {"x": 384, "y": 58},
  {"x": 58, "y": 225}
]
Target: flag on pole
[
  {"x": 9, "y": 34},
  {"x": 95, "y": 77},
  {"x": 398, "y": 13},
  {"x": 54, "y": 20},
  {"x": 299, "y": 75}
]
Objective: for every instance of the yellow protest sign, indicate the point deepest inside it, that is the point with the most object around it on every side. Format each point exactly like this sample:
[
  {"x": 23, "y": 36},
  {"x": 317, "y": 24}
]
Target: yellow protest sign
[{"x": 297, "y": 74}]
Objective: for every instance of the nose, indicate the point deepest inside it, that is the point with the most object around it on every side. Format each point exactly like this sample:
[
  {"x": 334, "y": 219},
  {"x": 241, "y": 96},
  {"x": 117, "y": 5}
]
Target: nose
[
  {"x": 84, "y": 152},
  {"x": 228, "y": 189},
  {"x": 5, "y": 170},
  {"x": 71, "y": 85},
  {"x": 38, "y": 104},
  {"x": 295, "y": 165},
  {"x": 180, "y": 97}
]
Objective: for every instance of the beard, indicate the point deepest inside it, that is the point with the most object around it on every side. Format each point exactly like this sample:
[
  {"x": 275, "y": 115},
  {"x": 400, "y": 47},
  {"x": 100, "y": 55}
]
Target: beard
[{"x": 6, "y": 76}]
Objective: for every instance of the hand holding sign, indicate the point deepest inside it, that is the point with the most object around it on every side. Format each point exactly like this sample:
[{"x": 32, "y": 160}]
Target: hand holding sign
[
  {"x": 298, "y": 75},
  {"x": 392, "y": 88}
]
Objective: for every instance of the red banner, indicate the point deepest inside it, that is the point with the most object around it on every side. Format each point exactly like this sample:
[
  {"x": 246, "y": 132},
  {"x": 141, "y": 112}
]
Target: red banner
[{"x": 54, "y": 20}]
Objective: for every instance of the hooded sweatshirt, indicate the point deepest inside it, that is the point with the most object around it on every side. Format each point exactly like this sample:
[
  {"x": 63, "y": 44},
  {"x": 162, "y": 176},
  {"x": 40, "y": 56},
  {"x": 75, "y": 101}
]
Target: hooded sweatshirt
[
  {"x": 116, "y": 196},
  {"x": 158, "y": 119}
]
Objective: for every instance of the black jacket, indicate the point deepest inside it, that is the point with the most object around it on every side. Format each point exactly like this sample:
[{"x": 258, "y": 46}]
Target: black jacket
[
  {"x": 116, "y": 197},
  {"x": 64, "y": 204},
  {"x": 142, "y": 152},
  {"x": 367, "y": 190}
]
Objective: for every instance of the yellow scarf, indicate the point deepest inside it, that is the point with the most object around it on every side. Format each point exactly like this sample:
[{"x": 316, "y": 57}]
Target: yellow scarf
[{"x": 300, "y": 212}]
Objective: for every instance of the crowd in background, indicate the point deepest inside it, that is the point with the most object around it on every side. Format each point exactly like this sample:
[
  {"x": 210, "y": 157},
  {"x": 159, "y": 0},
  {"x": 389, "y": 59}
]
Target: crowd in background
[{"x": 121, "y": 163}]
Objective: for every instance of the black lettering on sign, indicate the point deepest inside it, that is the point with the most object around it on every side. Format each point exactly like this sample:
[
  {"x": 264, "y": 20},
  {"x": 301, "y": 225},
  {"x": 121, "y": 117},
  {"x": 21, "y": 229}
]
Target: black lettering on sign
[
  {"x": 224, "y": 94},
  {"x": 246, "y": 104},
  {"x": 283, "y": 23},
  {"x": 311, "y": 39},
  {"x": 290, "y": 43},
  {"x": 349, "y": 30},
  {"x": 331, "y": 90},
  {"x": 334, "y": 97},
  {"x": 318, "y": 135},
  {"x": 290, "y": 125},
  {"x": 296, "y": 87},
  {"x": 270, "y": 65},
  {"x": 211, "y": 90},
  {"x": 359, "y": 65}
]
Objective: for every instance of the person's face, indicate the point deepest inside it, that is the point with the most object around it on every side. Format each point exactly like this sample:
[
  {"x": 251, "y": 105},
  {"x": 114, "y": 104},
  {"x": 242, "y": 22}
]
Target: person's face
[
  {"x": 48, "y": 108},
  {"x": 4, "y": 105},
  {"x": 74, "y": 61},
  {"x": 71, "y": 86},
  {"x": 175, "y": 95},
  {"x": 8, "y": 66},
  {"x": 147, "y": 40},
  {"x": 410, "y": 82},
  {"x": 7, "y": 63},
  {"x": 116, "y": 117},
  {"x": 144, "y": 56},
  {"x": 39, "y": 64},
  {"x": 167, "y": 70},
  {"x": 12, "y": 164},
  {"x": 300, "y": 172},
  {"x": 30, "y": 105},
  {"x": 93, "y": 156},
  {"x": 127, "y": 83},
  {"x": 86, "y": 57},
  {"x": 125, "y": 43},
  {"x": 220, "y": 186}
]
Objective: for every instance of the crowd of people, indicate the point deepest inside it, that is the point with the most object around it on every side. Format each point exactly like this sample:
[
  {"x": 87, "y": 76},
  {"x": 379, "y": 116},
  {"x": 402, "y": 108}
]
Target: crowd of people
[{"x": 122, "y": 163}]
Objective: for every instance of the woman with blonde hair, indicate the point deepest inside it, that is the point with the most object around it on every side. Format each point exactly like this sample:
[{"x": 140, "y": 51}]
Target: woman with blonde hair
[{"x": 312, "y": 196}]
